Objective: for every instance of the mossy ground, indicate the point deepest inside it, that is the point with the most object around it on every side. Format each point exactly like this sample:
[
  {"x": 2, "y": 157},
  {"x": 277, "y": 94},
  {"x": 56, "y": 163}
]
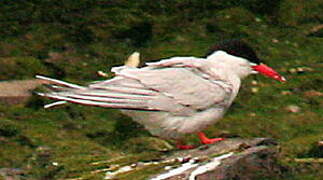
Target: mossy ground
[{"x": 72, "y": 40}]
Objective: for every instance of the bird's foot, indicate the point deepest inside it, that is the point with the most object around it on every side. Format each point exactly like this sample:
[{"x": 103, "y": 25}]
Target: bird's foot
[
  {"x": 179, "y": 145},
  {"x": 205, "y": 140},
  {"x": 185, "y": 147}
]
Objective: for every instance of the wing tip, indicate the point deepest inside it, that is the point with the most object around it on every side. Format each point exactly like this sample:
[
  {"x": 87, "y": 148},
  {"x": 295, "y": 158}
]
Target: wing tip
[
  {"x": 58, "y": 103},
  {"x": 59, "y": 82}
]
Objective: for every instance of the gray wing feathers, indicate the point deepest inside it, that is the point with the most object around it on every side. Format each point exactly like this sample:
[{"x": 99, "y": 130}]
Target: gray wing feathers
[
  {"x": 88, "y": 101},
  {"x": 61, "y": 83},
  {"x": 101, "y": 94},
  {"x": 175, "y": 86},
  {"x": 183, "y": 85}
]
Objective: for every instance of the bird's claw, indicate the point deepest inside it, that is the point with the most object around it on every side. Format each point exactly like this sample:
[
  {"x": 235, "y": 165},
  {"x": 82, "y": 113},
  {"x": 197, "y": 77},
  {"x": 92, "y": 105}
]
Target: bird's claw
[
  {"x": 185, "y": 147},
  {"x": 211, "y": 141},
  {"x": 205, "y": 140}
]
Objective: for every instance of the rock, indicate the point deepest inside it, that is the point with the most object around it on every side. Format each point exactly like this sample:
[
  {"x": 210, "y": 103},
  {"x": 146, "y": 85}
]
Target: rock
[
  {"x": 292, "y": 70},
  {"x": 18, "y": 91},
  {"x": 293, "y": 108},
  {"x": 275, "y": 40},
  {"x": 316, "y": 31},
  {"x": 313, "y": 93},
  {"x": 233, "y": 158},
  {"x": 300, "y": 70},
  {"x": 254, "y": 90},
  {"x": 253, "y": 163},
  {"x": 254, "y": 82},
  {"x": 286, "y": 92},
  {"x": 320, "y": 143}
]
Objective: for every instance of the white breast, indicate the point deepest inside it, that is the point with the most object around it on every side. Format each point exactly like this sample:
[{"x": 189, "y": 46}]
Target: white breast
[{"x": 168, "y": 126}]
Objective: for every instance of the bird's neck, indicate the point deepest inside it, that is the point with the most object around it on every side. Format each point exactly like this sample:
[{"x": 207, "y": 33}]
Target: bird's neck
[
  {"x": 230, "y": 65},
  {"x": 232, "y": 69}
]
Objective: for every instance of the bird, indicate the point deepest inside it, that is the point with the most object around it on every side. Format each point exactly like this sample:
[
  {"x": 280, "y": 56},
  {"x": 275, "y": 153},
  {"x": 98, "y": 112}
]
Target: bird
[{"x": 174, "y": 96}]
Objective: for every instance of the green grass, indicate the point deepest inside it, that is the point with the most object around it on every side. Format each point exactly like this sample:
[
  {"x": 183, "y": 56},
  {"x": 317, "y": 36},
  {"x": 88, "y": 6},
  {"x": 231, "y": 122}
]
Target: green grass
[{"x": 72, "y": 42}]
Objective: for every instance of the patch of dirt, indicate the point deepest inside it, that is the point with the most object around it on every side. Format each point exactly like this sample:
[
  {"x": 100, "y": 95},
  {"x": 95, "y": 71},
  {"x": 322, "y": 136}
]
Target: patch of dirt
[{"x": 17, "y": 91}]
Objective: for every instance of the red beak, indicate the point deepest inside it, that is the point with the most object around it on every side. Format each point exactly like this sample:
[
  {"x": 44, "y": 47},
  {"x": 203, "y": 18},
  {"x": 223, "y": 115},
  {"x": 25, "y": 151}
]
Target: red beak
[{"x": 269, "y": 72}]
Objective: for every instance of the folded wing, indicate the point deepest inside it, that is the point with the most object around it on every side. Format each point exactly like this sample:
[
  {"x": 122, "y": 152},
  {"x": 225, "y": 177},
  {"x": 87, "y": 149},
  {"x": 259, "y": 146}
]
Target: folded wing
[{"x": 177, "y": 87}]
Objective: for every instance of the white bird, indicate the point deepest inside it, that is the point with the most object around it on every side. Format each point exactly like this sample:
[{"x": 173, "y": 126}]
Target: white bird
[{"x": 175, "y": 96}]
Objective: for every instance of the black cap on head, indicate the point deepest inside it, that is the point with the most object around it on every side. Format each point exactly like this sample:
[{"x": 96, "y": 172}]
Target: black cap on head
[{"x": 237, "y": 48}]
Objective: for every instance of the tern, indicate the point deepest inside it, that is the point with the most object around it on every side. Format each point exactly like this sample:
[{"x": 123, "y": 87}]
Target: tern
[{"x": 174, "y": 96}]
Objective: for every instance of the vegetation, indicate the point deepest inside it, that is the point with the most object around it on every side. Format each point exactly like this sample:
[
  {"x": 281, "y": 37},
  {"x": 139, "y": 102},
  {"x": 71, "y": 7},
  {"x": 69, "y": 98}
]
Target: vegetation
[{"x": 71, "y": 40}]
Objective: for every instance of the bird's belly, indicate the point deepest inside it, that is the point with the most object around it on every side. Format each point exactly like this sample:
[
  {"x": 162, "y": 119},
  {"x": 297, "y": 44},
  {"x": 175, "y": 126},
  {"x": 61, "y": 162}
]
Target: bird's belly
[{"x": 169, "y": 126}]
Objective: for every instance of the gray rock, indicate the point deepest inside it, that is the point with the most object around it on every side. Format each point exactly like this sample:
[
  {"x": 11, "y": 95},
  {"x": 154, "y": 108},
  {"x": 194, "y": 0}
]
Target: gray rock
[
  {"x": 17, "y": 91},
  {"x": 242, "y": 159}
]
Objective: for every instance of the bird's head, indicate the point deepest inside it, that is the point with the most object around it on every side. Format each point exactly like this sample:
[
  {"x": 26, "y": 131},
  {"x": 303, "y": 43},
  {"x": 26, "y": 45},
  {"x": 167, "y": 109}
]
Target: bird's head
[{"x": 241, "y": 49}]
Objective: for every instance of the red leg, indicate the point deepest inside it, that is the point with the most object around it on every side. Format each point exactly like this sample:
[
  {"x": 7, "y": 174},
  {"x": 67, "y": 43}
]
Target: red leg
[
  {"x": 205, "y": 140},
  {"x": 179, "y": 145}
]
